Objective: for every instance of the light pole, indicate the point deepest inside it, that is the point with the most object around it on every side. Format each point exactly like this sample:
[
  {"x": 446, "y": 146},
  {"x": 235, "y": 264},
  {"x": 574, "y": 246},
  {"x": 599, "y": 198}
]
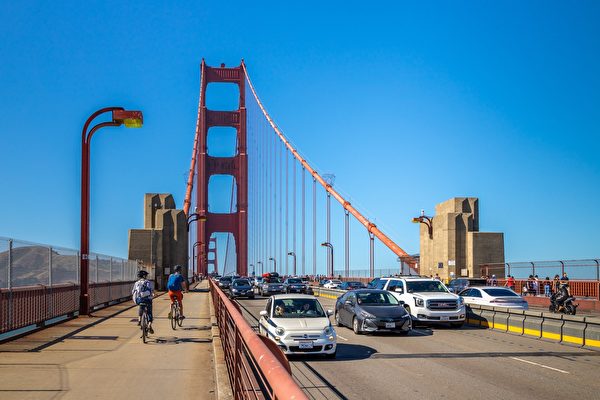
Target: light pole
[
  {"x": 261, "y": 267},
  {"x": 425, "y": 220},
  {"x": 195, "y": 217},
  {"x": 274, "y": 263},
  {"x": 120, "y": 116},
  {"x": 291, "y": 253},
  {"x": 329, "y": 267}
]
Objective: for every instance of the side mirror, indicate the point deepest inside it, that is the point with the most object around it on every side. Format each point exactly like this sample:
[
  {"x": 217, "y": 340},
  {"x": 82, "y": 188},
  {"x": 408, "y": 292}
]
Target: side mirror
[
  {"x": 348, "y": 303},
  {"x": 398, "y": 290},
  {"x": 329, "y": 313},
  {"x": 264, "y": 313},
  {"x": 401, "y": 303}
]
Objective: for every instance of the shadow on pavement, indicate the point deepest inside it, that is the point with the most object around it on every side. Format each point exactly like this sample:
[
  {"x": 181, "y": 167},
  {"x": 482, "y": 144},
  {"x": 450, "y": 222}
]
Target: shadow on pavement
[{"x": 345, "y": 352}]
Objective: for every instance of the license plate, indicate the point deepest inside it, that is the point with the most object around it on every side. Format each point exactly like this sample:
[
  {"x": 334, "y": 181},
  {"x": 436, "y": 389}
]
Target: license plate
[
  {"x": 444, "y": 318},
  {"x": 390, "y": 325},
  {"x": 306, "y": 345}
]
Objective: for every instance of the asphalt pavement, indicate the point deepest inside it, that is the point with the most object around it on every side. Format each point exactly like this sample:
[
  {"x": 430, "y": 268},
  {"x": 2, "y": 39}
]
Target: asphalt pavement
[{"x": 442, "y": 362}]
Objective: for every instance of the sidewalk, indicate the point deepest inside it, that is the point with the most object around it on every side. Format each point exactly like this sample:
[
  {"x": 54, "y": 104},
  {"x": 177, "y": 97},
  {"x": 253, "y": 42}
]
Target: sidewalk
[{"x": 103, "y": 357}]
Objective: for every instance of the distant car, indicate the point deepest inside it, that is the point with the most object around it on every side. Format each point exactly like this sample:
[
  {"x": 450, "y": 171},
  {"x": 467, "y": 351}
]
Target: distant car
[
  {"x": 372, "y": 310},
  {"x": 373, "y": 283},
  {"x": 332, "y": 284},
  {"x": 323, "y": 282},
  {"x": 225, "y": 282},
  {"x": 459, "y": 284},
  {"x": 298, "y": 324},
  {"x": 257, "y": 281},
  {"x": 273, "y": 286},
  {"x": 295, "y": 285},
  {"x": 351, "y": 285},
  {"x": 494, "y": 296},
  {"x": 241, "y": 288}
]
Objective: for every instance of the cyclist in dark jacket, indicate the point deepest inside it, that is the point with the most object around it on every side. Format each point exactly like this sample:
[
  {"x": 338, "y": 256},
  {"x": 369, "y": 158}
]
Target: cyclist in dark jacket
[{"x": 562, "y": 294}]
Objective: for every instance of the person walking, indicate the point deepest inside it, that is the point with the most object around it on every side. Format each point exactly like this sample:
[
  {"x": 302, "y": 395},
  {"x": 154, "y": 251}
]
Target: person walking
[
  {"x": 547, "y": 286},
  {"x": 510, "y": 283},
  {"x": 556, "y": 282}
]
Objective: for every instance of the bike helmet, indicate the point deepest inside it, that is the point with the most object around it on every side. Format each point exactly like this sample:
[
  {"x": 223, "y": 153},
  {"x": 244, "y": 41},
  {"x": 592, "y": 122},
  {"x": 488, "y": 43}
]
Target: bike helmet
[{"x": 142, "y": 274}]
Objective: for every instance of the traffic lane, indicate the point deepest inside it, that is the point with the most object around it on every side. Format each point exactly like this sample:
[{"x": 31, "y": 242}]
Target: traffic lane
[{"x": 460, "y": 360}]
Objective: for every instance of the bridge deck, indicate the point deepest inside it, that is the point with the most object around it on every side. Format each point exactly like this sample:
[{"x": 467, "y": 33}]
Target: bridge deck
[{"x": 103, "y": 357}]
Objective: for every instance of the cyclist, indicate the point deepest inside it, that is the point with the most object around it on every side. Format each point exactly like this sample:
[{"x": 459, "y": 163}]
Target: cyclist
[
  {"x": 142, "y": 294},
  {"x": 175, "y": 284}
]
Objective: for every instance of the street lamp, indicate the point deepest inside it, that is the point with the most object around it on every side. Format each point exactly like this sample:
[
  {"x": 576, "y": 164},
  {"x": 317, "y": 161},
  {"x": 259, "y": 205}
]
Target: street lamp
[
  {"x": 274, "y": 263},
  {"x": 120, "y": 116},
  {"x": 291, "y": 253},
  {"x": 261, "y": 266},
  {"x": 329, "y": 267},
  {"x": 425, "y": 220},
  {"x": 195, "y": 217}
]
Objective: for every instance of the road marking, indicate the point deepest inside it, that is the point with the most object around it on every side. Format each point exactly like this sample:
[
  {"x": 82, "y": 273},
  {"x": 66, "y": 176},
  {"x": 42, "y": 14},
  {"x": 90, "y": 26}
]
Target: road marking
[
  {"x": 343, "y": 338},
  {"x": 540, "y": 365}
]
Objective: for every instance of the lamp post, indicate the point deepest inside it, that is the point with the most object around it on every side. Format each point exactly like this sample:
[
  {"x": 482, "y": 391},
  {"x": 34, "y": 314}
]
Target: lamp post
[
  {"x": 425, "y": 220},
  {"x": 274, "y": 263},
  {"x": 195, "y": 217},
  {"x": 261, "y": 267},
  {"x": 329, "y": 267},
  {"x": 291, "y": 253},
  {"x": 120, "y": 116}
]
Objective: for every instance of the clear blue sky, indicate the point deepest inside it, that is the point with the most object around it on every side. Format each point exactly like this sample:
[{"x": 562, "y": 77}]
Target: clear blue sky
[{"x": 408, "y": 105}]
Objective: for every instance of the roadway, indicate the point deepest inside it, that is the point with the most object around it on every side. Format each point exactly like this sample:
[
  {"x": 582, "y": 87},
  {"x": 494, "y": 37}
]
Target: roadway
[{"x": 441, "y": 362}]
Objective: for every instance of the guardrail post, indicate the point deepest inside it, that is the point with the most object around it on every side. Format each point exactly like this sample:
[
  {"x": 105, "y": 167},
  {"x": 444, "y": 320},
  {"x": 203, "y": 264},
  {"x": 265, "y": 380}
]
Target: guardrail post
[{"x": 532, "y": 268}]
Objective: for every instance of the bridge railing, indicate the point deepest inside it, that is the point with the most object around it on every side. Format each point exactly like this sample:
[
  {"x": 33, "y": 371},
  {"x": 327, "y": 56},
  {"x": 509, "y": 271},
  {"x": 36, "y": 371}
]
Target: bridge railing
[
  {"x": 254, "y": 371},
  {"x": 577, "y": 288},
  {"x": 40, "y": 283}
]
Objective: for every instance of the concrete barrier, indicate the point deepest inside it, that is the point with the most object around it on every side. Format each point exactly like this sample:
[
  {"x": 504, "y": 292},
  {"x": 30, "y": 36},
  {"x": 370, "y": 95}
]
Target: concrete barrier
[
  {"x": 532, "y": 325},
  {"x": 592, "y": 333},
  {"x": 516, "y": 319},
  {"x": 552, "y": 327},
  {"x": 573, "y": 330},
  {"x": 487, "y": 317},
  {"x": 474, "y": 315}
]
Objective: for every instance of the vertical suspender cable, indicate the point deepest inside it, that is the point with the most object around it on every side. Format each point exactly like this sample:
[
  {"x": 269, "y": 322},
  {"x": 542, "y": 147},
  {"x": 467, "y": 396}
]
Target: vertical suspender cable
[
  {"x": 287, "y": 212},
  {"x": 294, "y": 213},
  {"x": 371, "y": 256},
  {"x": 303, "y": 221},
  {"x": 329, "y": 258},
  {"x": 314, "y": 207},
  {"x": 347, "y": 243}
]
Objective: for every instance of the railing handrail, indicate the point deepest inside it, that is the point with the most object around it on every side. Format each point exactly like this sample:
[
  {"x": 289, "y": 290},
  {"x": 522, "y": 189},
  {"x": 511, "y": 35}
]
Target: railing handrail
[{"x": 276, "y": 375}]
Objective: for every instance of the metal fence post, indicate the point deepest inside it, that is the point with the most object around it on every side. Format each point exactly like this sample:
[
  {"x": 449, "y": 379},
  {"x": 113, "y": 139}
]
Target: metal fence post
[
  {"x": 9, "y": 271},
  {"x": 508, "y": 268},
  {"x": 77, "y": 278},
  {"x": 597, "y": 273},
  {"x": 532, "y": 268},
  {"x": 562, "y": 268},
  {"x": 50, "y": 266}
]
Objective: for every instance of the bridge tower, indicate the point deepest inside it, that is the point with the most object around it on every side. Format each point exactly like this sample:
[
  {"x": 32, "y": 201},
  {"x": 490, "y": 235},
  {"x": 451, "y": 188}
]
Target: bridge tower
[
  {"x": 214, "y": 260},
  {"x": 237, "y": 166}
]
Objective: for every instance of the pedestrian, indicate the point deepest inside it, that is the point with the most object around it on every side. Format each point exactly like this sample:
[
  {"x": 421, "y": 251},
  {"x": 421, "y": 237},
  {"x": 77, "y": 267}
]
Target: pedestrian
[
  {"x": 547, "y": 286},
  {"x": 530, "y": 287},
  {"x": 510, "y": 283},
  {"x": 536, "y": 286},
  {"x": 437, "y": 277},
  {"x": 556, "y": 282},
  {"x": 564, "y": 277}
]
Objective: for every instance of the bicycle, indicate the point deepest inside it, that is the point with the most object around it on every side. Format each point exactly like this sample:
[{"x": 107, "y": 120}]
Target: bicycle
[
  {"x": 144, "y": 322},
  {"x": 175, "y": 315}
]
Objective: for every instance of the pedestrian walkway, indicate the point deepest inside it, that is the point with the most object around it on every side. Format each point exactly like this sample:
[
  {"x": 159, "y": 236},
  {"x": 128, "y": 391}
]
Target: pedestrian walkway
[{"x": 103, "y": 357}]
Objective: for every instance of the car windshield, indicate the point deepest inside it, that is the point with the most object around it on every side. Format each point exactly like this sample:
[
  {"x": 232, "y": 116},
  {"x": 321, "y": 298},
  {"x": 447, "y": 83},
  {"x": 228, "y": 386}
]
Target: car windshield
[
  {"x": 241, "y": 282},
  {"x": 294, "y": 280},
  {"x": 425, "y": 286},
  {"x": 226, "y": 279},
  {"x": 336, "y": 281},
  {"x": 376, "y": 299},
  {"x": 274, "y": 280},
  {"x": 354, "y": 283},
  {"x": 500, "y": 292},
  {"x": 298, "y": 308}
]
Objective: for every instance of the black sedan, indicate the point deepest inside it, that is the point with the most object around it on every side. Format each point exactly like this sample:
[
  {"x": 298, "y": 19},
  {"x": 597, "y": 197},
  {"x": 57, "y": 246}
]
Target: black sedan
[
  {"x": 295, "y": 285},
  {"x": 241, "y": 288},
  {"x": 351, "y": 285},
  {"x": 224, "y": 282},
  {"x": 372, "y": 310}
]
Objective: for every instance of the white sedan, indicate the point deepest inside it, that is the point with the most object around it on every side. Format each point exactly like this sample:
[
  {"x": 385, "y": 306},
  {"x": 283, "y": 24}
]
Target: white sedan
[
  {"x": 332, "y": 284},
  {"x": 494, "y": 296},
  {"x": 298, "y": 324}
]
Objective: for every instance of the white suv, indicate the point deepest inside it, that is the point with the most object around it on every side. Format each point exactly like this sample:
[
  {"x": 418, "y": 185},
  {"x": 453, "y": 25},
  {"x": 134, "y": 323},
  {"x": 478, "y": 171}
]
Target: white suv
[{"x": 425, "y": 299}]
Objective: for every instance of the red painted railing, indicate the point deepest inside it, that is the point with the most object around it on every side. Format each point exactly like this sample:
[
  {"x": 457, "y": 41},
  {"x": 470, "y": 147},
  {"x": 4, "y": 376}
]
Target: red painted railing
[{"x": 254, "y": 371}]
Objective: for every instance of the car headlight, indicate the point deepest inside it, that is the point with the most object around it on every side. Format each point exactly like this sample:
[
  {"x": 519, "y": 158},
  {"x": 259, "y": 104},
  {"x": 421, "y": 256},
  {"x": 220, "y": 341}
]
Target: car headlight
[
  {"x": 234, "y": 290},
  {"x": 327, "y": 330},
  {"x": 365, "y": 314},
  {"x": 280, "y": 331},
  {"x": 419, "y": 302}
]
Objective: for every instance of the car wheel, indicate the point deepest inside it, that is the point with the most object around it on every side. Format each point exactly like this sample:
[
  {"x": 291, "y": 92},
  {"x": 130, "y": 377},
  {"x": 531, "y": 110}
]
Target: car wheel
[
  {"x": 355, "y": 326},
  {"x": 337, "y": 320}
]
